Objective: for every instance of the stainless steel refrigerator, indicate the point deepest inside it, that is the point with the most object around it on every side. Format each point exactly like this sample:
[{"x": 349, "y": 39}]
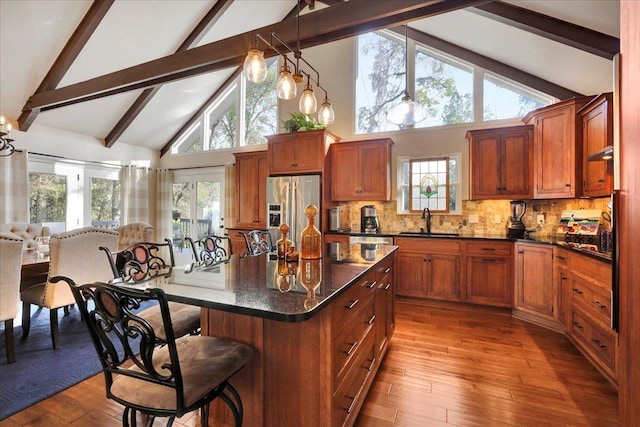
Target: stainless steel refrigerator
[{"x": 287, "y": 196}]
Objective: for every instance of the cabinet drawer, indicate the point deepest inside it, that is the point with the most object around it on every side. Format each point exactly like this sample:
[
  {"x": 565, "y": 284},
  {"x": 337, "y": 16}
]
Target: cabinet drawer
[
  {"x": 428, "y": 244},
  {"x": 351, "y": 301},
  {"x": 486, "y": 248},
  {"x": 351, "y": 393},
  {"x": 598, "y": 271},
  {"x": 347, "y": 345},
  {"x": 598, "y": 341},
  {"x": 593, "y": 298}
]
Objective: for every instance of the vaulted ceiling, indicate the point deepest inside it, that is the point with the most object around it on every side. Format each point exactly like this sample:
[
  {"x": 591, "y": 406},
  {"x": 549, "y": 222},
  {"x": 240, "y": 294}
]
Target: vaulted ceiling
[{"x": 136, "y": 71}]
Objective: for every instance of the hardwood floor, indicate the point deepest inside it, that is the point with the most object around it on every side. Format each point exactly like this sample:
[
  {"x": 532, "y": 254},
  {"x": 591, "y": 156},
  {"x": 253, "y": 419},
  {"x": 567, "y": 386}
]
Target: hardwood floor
[{"x": 448, "y": 365}]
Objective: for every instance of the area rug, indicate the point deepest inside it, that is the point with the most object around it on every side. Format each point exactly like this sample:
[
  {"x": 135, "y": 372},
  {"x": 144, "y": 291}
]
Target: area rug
[{"x": 39, "y": 370}]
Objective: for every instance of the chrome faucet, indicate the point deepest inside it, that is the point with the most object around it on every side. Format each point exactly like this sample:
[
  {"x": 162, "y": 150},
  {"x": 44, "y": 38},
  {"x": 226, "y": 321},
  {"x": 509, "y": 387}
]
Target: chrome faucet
[{"x": 426, "y": 214}]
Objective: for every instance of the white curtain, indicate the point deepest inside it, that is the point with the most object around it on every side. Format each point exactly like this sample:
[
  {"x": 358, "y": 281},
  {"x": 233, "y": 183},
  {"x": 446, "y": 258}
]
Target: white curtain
[
  {"x": 164, "y": 183},
  {"x": 135, "y": 194},
  {"x": 14, "y": 188}
]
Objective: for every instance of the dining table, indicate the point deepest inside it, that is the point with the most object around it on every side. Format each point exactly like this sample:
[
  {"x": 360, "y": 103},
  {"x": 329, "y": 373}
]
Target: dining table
[{"x": 35, "y": 268}]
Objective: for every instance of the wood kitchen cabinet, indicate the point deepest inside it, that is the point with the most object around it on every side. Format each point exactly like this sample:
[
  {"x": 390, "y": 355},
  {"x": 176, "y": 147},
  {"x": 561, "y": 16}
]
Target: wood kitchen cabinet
[
  {"x": 489, "y": 274},
  {"x": 250, "y": 193},
  {"x": 299, "y": 152},
  {"x": 597, "y": 134},
  {"x": 557, "y": 149},
  {"x": 561, "y": 276},
  {"x": 535, "y": 290},
  {"x": 501, "y": 163},
  {"x": 361, "y": 170},
  {"x": 429, "y": 267},
  {"x": 385, "y": 303}
]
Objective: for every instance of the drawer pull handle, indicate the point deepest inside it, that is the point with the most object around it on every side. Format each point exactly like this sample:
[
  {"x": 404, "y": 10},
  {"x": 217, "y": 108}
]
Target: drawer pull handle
[
  {"x": 387, "y": 286},
  {"x": 372, "y": 364},
  {"x": 489, "y": 260},
  {"x": 560, "y": 257},
  {"x": 578, "y": 325},
  {"x": 351, "y": 407},
  {"x": 386, "y": 270},
  {"x": 597, "y": 304},
  {"x": 372, "y": 285},
  {"x": 353, "y": 304},
  {"x": 370, "y": 321},
  {"x": 488, "y": 249},
  {"x": 577, "y": 291},
  {"x": 353, "y": 347},
  {"x": 598, "y": 343}
]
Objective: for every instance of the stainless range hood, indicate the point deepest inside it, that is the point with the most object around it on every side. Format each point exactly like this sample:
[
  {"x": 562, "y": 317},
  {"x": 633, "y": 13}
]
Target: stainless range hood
[{"x": 605, "y": 154}]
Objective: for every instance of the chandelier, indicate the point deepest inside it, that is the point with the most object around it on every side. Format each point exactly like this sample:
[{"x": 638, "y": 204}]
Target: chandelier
[
  {"x": 407, "y": 112},
  {"x": 6, "y": 148},
  {"x": 255, "y": 70}
]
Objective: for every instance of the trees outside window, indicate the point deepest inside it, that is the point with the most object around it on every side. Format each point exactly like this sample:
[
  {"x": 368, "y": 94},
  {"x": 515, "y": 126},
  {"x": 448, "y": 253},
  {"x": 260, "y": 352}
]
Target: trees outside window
[{"x": 47, "y": 198}]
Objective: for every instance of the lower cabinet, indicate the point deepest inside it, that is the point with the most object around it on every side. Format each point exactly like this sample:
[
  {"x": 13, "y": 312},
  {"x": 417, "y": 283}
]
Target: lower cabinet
[
  {"x": 429, "y": 267},
  {"x": 238, "y": 244},
  {"x": 489, "y": 278},
  {"x": 535, "y": 292},
  {"x": 385, "y": 305}
]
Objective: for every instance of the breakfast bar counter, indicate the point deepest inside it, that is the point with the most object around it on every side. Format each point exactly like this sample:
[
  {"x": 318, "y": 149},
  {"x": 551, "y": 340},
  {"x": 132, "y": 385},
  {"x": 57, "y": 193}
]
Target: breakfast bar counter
[{"x": 319, "y": 329}]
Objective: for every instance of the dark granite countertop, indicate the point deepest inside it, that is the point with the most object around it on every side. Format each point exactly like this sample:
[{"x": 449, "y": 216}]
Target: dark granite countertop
[
  {"x": 532, "y": 238},
  {"x": 251, "y": 285}
]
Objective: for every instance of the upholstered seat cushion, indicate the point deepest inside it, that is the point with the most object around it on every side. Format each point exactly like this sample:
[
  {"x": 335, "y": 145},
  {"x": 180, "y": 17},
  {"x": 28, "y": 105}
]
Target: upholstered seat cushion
[
  {"x": 27, "y": 232},
  {"x": 185, "y": 318},
  {"x": 134, "y": 232},
  {"x": 205, "y": 362}
]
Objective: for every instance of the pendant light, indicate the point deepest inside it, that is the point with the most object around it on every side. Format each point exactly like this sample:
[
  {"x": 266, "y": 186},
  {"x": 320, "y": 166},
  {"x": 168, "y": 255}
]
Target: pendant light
[
  {"x": 308, "y": 102},
  {"x": 407, "y": 112},
  {"x": 326, "y": 116},
  {"x": 255, "y": 66},
  {"x": 286, "y": 84}
]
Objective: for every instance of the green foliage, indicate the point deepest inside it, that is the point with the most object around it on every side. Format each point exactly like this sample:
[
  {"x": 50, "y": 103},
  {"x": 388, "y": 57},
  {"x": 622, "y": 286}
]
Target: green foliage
[
  {"x": 47, "y": 198},
  {"x": 105, "y": 199},
  {"x": 301, "y": 122}
]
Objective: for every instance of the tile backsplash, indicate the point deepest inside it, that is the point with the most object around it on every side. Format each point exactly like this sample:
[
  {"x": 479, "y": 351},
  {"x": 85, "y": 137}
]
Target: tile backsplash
[{"x": 492, "y": 216}]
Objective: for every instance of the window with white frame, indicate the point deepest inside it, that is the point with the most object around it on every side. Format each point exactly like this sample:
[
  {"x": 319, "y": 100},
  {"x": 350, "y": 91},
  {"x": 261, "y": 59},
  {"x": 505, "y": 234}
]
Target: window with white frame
[
  {"x": 448, "y": 88},
  {"x": 241, "y": 115},
  {"x": 429, "y": 182}
]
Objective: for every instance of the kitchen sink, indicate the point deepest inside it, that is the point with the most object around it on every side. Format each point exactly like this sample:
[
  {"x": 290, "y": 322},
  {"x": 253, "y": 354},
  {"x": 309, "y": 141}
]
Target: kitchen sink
[{"x": 424, "y": 234}]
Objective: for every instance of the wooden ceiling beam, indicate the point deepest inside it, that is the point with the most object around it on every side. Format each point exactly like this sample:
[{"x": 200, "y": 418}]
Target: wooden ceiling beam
[
  {"x": 145, "y": 97},
  {"x": 69, "y": 53},
  {"x": 323, "y": 26},
  {"x": 488, "y": 63},
  {"x": 551, "y": 28}
]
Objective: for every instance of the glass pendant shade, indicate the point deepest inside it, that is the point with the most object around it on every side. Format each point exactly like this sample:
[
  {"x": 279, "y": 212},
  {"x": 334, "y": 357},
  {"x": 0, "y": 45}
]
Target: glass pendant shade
[
  {"x": 407, "y": 113},
  {"x": 308, "y": 101},
  {"x": 326, "y": 116},
  {"x": 255, "y": 66},
  {"x": 286, "y": 85}
]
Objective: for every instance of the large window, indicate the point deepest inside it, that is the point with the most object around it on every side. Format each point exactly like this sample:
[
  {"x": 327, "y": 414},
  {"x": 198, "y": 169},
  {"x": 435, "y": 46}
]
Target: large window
[
  {"x": 429, "y": 182},
  {"x": 241, "y": 115},
  {"x": 105, "y": 202},
  {"x": 449, "y": 89},
  {"x": 47, "y": 198}
]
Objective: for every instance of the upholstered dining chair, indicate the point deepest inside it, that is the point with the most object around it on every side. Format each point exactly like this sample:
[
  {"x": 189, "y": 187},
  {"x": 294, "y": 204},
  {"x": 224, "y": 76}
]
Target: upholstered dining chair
[
  {"x": 10, "y": 268},
  {"x": 133, "y": 233},
  {"x": 210, "y": 249},
  {"x": 159, "y": 378},
  {"x": 258, "y": 242},
  {"x": 73, "y": 254},
  {"x": 141, "y": 262},
  {"x": 27, "y": 232}
]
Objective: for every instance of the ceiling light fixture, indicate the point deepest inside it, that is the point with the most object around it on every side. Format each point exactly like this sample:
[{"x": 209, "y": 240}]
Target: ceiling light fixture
[
  {"x": 255, "y": 70},
  {"x": 6, "y": 148},
  {"x": 408, "y": 112}
]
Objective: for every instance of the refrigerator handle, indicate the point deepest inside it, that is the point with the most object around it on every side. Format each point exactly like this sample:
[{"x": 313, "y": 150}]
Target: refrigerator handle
[{"x": 292, "y": 210}]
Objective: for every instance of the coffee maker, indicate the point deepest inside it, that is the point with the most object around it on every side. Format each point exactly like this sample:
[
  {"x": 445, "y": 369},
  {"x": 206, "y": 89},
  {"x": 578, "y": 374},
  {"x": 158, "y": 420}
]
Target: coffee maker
[
  {"x": 369, "y": 222},
  {"x": 516, "y": 227}
]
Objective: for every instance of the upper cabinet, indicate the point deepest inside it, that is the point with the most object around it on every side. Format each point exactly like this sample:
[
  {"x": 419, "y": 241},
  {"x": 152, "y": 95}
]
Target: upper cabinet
[
  {"x": 299, "y": 152},
  {"x": 250, "y": 195},
  {"x": 361, "y": 170},
  {"x": 597, "y": 135},
  {"x": 501, "y": 163},
  {"x": 557, "y": 149}
]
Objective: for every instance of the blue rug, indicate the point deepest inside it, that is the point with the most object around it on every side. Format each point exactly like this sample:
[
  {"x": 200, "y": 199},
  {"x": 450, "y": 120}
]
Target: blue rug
[{"x": 39, "y": 370}]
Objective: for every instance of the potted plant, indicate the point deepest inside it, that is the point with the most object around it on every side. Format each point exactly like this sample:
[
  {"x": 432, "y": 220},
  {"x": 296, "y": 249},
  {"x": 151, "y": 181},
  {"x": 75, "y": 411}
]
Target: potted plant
[{"x": 301, "y": 122}]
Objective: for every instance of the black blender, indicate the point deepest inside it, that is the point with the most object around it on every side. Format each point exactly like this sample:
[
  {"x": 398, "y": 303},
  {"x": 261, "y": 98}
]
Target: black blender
[{"x": 516, "y": 228}]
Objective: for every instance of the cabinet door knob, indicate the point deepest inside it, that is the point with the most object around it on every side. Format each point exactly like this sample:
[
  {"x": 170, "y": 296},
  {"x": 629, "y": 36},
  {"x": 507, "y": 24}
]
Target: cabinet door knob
[
  {"x": 601, "y": 180},
  {"x": 567, "y": 185}
]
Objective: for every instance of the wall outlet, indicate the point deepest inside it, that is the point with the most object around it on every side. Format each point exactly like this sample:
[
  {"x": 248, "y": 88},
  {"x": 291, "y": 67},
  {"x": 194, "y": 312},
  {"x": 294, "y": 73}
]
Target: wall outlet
[
  {"x": 497, "y": 219},
  {"x": 473, "y": 219},
  {"x": 540, "y": 219}
]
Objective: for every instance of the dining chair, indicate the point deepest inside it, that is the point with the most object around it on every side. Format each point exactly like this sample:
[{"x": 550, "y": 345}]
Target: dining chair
[
  {"x": 73, "y": 254},
  {"x": 133, "y": 233},
  {"x": 141, "y": 262},
  {"x": 10, "y": 269},
  {"x": 210, "y": 249},
  {"x": 166, "y": 377},
  {"x": 27, "y": 232},
  {"x": 258, "y": 242}
]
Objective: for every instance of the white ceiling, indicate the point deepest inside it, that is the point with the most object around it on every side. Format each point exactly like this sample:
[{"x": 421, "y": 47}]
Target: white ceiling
[{"x": 33, "y": 32}]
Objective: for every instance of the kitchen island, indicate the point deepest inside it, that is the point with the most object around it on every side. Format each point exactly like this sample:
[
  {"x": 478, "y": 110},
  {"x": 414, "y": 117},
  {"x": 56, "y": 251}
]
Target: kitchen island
[{"x": 319, "y": 329}]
